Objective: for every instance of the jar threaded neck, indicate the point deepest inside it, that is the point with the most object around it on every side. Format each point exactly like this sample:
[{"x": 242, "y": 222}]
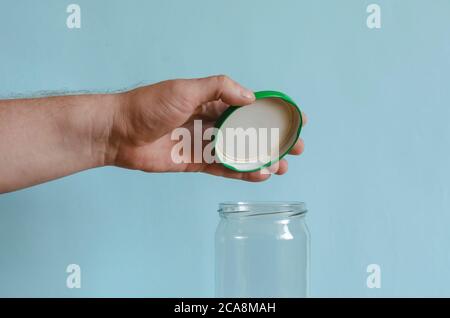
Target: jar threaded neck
[{"x": 261, "y": 208}]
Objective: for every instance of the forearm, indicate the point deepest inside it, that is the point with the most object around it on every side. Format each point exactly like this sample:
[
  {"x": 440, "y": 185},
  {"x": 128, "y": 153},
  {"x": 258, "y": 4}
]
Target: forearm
[{"x": 47, "y": 138}]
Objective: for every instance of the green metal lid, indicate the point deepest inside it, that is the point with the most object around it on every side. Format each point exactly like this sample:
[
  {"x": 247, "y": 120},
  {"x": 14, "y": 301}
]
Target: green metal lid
[{"x": 272, "y": 125}]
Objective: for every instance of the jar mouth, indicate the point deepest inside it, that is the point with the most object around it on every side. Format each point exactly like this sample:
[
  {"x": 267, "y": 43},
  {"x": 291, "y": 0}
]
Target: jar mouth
[{"x": 253, "y": 208}]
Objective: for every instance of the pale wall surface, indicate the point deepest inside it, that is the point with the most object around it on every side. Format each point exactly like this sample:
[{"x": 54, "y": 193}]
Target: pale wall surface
[{"x": 375, "y": 173}]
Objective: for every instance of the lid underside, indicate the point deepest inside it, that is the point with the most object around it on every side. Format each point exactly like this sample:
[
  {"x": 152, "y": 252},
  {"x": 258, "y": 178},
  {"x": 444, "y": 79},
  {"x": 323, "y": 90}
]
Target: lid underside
[{"x": 255, "y": 135}]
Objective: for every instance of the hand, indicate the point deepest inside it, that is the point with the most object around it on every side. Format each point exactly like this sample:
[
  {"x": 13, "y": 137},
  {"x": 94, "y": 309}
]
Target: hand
[
  {"x": 143, "y": 123},
  {"x": 51, "y": 137}
]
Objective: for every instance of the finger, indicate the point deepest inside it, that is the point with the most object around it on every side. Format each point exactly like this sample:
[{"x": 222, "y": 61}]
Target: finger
[
  {"x": 279, "y": 168},
  {"x": 221, "y": 171},
  {"x": 298, "y": 148},
  {"x": 282, "y": 167},
  {"x": 219, "y": 87},
  {"x": 304, "y": 119},
  {"x": 211, "y": 110}
]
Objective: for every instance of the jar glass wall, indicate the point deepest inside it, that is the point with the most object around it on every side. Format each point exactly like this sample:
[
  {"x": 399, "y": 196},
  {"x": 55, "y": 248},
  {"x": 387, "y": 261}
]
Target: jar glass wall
[{"x": 262, "y": 250}]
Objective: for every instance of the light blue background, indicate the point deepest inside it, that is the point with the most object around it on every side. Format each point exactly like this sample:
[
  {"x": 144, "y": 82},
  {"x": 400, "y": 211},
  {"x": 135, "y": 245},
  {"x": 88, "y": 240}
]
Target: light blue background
[{"x": 375, "y": 173}]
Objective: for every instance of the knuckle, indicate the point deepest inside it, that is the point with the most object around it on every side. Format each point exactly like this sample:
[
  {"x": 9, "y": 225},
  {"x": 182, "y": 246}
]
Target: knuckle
[
  {"x": 223, "y": 80},
  {"x": 174, "y": 86}
]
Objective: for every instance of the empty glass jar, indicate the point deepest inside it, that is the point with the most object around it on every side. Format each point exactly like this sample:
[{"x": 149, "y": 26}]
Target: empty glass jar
[{"x": 262, "y": 250}]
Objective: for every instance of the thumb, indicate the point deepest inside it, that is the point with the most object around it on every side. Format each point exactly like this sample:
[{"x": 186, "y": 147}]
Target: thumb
[{"x": 220, "y": 87}]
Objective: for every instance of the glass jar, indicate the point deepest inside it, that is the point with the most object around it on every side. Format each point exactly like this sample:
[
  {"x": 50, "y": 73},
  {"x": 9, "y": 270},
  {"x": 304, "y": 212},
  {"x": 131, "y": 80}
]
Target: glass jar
[{"x": 262, "y": 250}]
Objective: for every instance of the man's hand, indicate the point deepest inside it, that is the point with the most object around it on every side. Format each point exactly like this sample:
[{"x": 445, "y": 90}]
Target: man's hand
[
  {"x": 141, "y": 135},
  {"x": 46, "y": 138}
]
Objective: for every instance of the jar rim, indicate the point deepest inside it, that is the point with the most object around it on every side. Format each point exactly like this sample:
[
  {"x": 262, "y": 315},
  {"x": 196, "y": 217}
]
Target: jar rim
[{"x": 261, "y": 207}]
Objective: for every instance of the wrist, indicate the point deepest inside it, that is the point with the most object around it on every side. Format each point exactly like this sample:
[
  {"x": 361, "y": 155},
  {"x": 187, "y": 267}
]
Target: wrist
[
  {"x": 111, "y": 135},
  {"x": 92, "y": 127}
]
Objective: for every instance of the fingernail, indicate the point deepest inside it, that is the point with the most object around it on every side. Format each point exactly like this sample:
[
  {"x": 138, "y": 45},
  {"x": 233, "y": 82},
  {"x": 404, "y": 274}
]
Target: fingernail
[{"x": 247, "y": 94}]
